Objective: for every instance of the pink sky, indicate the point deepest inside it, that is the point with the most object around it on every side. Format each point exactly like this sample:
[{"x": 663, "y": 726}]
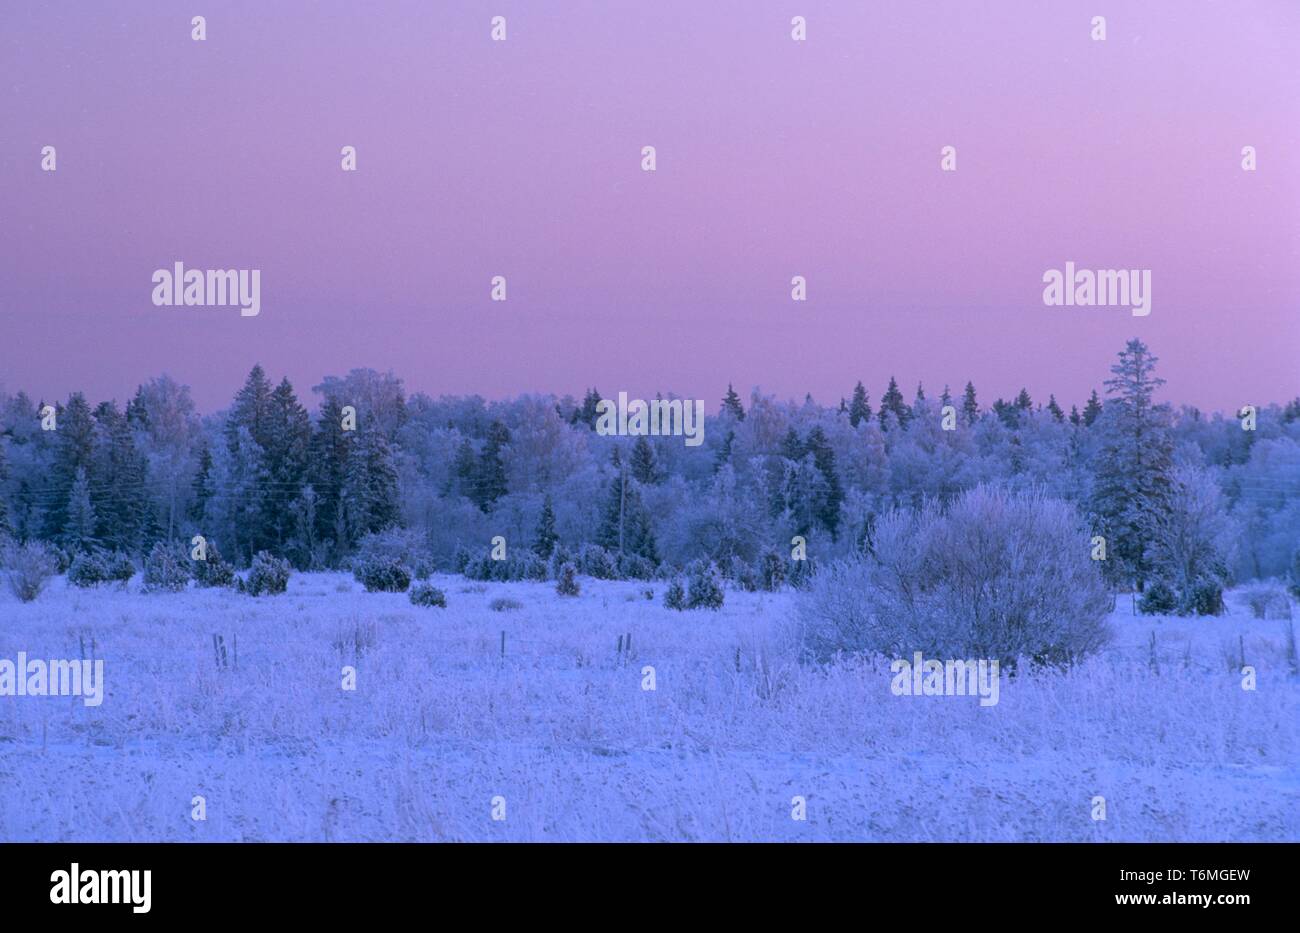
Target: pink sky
[{"x": 775, "y": 158}]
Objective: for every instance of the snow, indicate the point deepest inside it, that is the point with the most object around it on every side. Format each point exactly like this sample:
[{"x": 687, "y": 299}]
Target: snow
[{"x": 440, "y": 724}]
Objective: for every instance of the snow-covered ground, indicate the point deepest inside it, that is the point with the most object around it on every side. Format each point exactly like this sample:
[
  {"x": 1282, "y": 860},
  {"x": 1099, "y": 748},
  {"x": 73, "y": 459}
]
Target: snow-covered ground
[{"x": 440, "y": 724}]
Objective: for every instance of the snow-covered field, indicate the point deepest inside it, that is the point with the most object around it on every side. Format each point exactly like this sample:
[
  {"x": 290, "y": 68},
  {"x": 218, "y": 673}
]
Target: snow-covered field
[{"x": 440, "y": 724}]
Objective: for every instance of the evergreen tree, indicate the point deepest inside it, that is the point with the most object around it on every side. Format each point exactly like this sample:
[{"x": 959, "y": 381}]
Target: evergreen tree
[
  {"x": 74, "y": 449},
  {"x": 490, "y": 477},
  {"x": 1023, "y": 401},
  {"x": 644, "y": 468},
  {"x": 1133, "y": 475},
  {"x": 892, "y": 402},
  {"x": 327, "y": 472},
  {"x": 79, "y": 530},
  {"x": 202, "y": 486},
  {"x": 464, "y": 468},
  {"x": 1092, "y": 410},
  {"x": 946, "y": 398},
  {"x": 587, "y": 414},
  {"x": 285, "y": 451},
  {"x": 545, "y": 540},
  {"x": 970, "y": 408},
  {"x": 860, "y": 407},
  {"x": 6, "y": 524},
  {"x": 1055, "y": 409},
  {"x": 123, "y": 507},
  {"x": 828, "y": 505},
  {"x": 1075, "y": 418},
  {"x": 625, "y": 522},
  {"x": 792, "y": 447},
  {"x": 370, "y": 488},
  {"x": 731, "y": 404},
  {"x": 724, "y": 452},
  {"x": 251, "y": 409}
]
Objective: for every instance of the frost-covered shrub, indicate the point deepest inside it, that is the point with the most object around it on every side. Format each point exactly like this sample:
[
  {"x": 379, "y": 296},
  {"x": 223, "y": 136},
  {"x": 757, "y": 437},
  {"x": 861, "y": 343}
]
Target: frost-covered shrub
[
  {"x": 461, "y": 559},
  {"x": 996, "y": 576},
  {"x": 802, "y": 573},
  {"x": 675, "y": 596},
  {"x": 521, "y": 565},
  {"x": 595, "y": 561},
  {"x": 704, "y": 590},
  {"x": 91, "y": 568},
  {"x": 166, "y": 569},
  {"x": 560, "y": 556},
  {"x": 381, "y": 574},
  {"x": 771, "y": 570},
  {"x": 215, "y": 570},
  {"x": 1157, "y": 599},
  {"x": 742, "y": 574},
  {"x": 505, "y": 604},
  {"x": 566, "y": 582},
  {"x": 1203, "y": 598},
  {"x": 267, "y": 576},
  {"x": 635, "y": 567},
  {"x": 426, "y": 594},
  {"x": 409, "y": 548},
  {"x": 27, "y": 568},
  {"x": 62, "y": 558},
  {"x": 1267, "y": 600}
]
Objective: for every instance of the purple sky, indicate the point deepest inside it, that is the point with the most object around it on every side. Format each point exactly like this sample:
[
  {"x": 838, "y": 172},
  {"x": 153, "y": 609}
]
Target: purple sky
[{"x": 775, "y": 158}]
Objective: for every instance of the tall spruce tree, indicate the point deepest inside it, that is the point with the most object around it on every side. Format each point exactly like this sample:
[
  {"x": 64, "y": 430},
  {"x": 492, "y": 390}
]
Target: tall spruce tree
[
  {"x": 79, "y": 527},
  {"x": 970, "y": 408},
  {"x": 860, "y": 407},
  {"x": 545, "y": 539},
  {"x": 892, "y": 403},
  {"x": 1092, "y": 410},
  {"x": 645, "y": 470},
  {"x": 731, "y": 404},
  {"x": 490, "y": 477},
  {"x": 1133, "y": 473}
]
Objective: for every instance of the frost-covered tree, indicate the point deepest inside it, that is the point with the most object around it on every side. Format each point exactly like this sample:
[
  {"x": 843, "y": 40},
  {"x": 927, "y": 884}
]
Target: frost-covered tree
[
  {"x": 79, "y": 530},
  {"x": 731, "y": 404},
  {"x": 545, "y": 538},
  {"x": 1132, "y": 477},
  {"x": 860, "y": 407}
]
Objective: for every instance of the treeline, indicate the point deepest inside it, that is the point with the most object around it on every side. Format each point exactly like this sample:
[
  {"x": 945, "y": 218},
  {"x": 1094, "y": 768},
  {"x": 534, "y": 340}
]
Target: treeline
[{"x": 1176, "y": 494}]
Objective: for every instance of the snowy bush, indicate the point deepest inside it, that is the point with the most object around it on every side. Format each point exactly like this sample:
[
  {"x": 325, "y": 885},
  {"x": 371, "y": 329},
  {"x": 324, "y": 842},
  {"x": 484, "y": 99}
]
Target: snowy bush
[
  {"x": 381, "y": 574},
  {"x": 802, "y": 573},
  {"x": 1158, "y": 599},
  {"x": 675, "y": 596},
  {"x": 426, "y": 594},
  {"x": 705, "y": 588},
  {"x": 215, "y": 570},
  {"x": 771, "y": 570},
  {"x": 91, "y": 568},
  {"x": 166, "y": 569},
  {"x": 635, "y": 567},
  {"x": 566, "y": 582},
  {"x": 1203, "y": 598},
  {"x": 27, "y": 568},
  {"x": 595, "y": 561},
  {"x": 505, "y": 604},
  {"x": 1267, "y": 600},
  {"x": 995, "y": 576},
  {"x": 396, "y": 544},
  {"x": 268, "y": 576},
  {"x": 742, "y": 574}
]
